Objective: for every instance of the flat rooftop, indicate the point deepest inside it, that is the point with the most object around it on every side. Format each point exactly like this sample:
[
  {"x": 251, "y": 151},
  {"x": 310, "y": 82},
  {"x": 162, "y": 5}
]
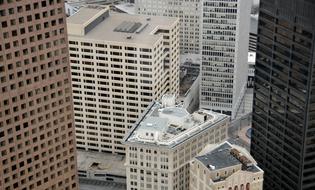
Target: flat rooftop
[
  {"x": 106, "y": 27},
  {"x": 169, "y": 125},
  {"x": 104, "y": 162},
  {"x": 89, "y": 184},
  {"x": 251, "y": 57},
  {"x": 80, "y": 3},
  {"x": 85, "y": 15},
  {"x": 128, "y": 8},
  {"x": 227, "y": 155}
]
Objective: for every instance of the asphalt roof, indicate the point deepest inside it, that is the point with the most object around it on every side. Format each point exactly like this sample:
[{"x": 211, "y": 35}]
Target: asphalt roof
[{"x": 219, "y": 157}]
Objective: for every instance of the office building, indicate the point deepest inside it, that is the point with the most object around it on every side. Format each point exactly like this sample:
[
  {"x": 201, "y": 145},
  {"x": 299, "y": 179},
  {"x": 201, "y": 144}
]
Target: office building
[
  {"x": 189, "y": 13},
  {"x": 37, "y": 136},
  {"x": 164, "y": 140},
  {"x": 225, "y": 167},
  {"x": 283, "y": 137},
  {"x": 225, "y": 34},
  {"x": 119, "y": 64}
]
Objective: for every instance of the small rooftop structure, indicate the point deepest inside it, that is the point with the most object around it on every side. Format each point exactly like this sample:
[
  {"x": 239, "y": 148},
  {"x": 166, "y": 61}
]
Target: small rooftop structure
[
  {"x": 166, "y": 124},
  {"x": 227, "y": 155},
  {"x": 251, "y": 57},
  {"x": 95, "y": 22}
]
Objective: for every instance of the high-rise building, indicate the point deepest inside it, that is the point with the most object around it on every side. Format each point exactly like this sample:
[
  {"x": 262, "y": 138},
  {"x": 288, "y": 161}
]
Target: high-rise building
[
  {"x": 189, "y": 13},
  {"x": 226, "y": 167},
  {"x": 163, "y": 142},
  {"x": 225, "y": 36},
  {"x": 37, "y": 136},
  {"x": 119, "y": 64},
  {"x": 283, "y": 137}
]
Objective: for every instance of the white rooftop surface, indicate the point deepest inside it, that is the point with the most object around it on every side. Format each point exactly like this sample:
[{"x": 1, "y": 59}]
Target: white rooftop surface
[
  {"x": 85, "y": 15},
  {"x": 171, "y": 125},
  {"x": 251, "y": 57},
  {"x": 104, "y": 31},
  {"x": 128, "y": 8},
  {"x": 105, "y": 162}
]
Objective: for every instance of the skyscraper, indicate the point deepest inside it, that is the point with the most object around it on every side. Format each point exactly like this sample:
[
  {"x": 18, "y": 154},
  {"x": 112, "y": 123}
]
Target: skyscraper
[
  {"x": 119, "y": 64},
  {"x": 37, "y": 138},
  {"x": 225, "y": 33},
  {"x": 283, "y": 139}
]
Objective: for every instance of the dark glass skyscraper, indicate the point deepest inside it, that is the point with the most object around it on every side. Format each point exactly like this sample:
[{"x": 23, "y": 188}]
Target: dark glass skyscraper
[{"x": 283, "y": 139}]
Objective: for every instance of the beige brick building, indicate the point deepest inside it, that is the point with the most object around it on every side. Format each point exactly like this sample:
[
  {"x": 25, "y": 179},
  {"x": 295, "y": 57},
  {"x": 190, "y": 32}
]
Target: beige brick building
[
  {"x": 190, "y": 18},
  {"x": 119, "y": 64},
  {"x": 225, "y": 167},
  {"x": 163, "y": 142},
  {"x": 37, "y": 136}
]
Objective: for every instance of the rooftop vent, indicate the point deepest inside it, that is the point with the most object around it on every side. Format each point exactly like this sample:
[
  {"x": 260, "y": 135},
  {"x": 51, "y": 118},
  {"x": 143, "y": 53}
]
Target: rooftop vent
[
  {"x": 128, "y": 27},
  {"x": 238, "y": 155},
  {"x": 212, "y": 167}
]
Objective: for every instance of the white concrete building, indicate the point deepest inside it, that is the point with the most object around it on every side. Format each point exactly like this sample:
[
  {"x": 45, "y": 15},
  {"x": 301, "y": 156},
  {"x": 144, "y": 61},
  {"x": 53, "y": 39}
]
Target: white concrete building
[
  {"x": 164, "y": 140},
  {"x": 189, "y": 13},
  {"x": 225, "y": 167},
  {"x": 225, "y": 36},
  {"x": 119, "y": 64}
]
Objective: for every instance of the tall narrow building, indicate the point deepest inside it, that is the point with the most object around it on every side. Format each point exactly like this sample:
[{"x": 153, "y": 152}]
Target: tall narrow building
[
  {"x": 119, "y": 64},
  {"x": 37, "y": 137},
  {"x": 283, "y": 138},
  {"x": 225, "y": 36}
]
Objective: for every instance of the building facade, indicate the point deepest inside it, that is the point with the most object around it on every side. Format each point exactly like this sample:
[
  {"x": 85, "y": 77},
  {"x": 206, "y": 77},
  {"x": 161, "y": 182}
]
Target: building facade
[
  {"x": 189, "y": 13},
  {"x": 283, "y": 118},
  {"x": 225, "y": 167},
  {"x": 119, "y": 64},
  {"x": 160, "y": 146},
  {"x": 225, "y": 34},
  {"x": 253, "y": 33},
  {"x": 37, "y": 136},
  {"x": 251, "y": 70}
]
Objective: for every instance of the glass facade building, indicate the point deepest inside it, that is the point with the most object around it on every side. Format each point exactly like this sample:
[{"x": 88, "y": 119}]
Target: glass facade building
[{"x": 283, "y": 139}]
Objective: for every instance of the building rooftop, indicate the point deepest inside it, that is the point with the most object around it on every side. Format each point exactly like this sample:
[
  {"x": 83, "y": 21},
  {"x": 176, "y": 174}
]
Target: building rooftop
[
  {"x": 97, "y": 23},
  {"x": 227, "y": 155},
  {"x": 128, "y": 8},
  {"x": 104, "y": 162},
  {"x": 165, "y": 124},
  {"x": 89, "y": 184},
  {"x": 80, "y": 3},
  {"x": 251, "y": 57},
  {"x": 86, "y": 15}
]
